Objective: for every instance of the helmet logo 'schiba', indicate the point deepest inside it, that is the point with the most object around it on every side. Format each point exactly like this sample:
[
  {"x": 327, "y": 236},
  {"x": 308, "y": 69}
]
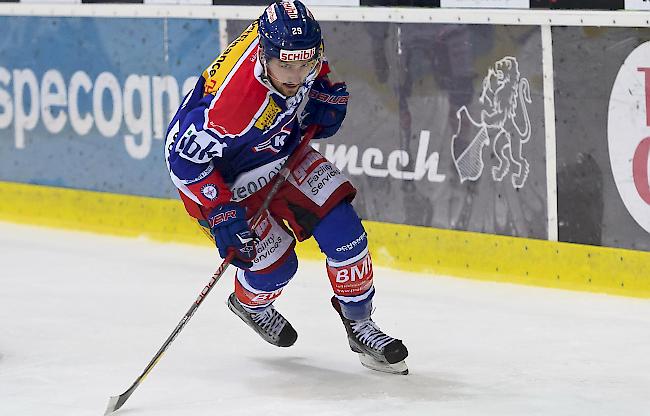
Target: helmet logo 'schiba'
[{"x": 299, "y": 55}]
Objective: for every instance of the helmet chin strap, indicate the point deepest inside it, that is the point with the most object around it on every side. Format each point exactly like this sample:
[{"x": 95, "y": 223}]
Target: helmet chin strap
[
  {"x": 262, "y": 59},
  {"x": 266, "y": 75}
]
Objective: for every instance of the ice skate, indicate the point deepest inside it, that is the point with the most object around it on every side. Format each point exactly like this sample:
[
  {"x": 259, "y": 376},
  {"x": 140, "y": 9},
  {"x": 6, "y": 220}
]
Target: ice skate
[
  {"x": 270, "y": 324},
  {"x": 376, "y": 350}
]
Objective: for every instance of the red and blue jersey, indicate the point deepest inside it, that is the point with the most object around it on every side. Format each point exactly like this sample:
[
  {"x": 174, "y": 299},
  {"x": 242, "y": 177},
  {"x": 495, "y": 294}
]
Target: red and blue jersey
[{"x": 233, "y": 131}]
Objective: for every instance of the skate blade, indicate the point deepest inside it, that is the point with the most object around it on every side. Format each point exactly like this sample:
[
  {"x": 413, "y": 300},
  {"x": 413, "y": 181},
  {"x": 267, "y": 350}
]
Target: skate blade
[{"x": 397, "y": 368}]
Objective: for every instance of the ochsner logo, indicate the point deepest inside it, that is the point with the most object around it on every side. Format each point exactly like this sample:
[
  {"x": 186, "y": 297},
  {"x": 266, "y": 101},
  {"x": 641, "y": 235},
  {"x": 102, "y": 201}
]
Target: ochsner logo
[
  {"x": 349, "y": 246},
  {"x": 503, "y": 98},
  {"x": 628, "y": 133}
]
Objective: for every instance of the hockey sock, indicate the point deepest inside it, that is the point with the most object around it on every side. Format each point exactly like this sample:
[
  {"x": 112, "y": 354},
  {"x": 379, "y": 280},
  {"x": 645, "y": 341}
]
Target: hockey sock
[
  {"x": 342, "y": 238},
  {"x": 257, "y": 290}
]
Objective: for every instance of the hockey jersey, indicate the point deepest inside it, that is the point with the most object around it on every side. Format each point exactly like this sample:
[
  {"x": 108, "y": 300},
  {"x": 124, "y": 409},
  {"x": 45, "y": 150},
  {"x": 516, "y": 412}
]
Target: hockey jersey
[{"x": 233, "y": 131}]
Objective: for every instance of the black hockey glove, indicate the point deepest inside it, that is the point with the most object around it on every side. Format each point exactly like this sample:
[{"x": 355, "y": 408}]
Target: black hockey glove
[
  {"x": 326, "y": 107},
  {"x": 231, "y": 232}
]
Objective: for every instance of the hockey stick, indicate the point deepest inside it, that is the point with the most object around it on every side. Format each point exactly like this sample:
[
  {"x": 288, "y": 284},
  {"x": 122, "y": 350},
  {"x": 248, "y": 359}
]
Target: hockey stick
[{"x": 115, "y": 402}]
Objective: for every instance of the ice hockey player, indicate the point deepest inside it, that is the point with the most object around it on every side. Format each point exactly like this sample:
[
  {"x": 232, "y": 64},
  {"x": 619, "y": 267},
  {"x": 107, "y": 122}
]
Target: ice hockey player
[{"x": 231, "y": 136}]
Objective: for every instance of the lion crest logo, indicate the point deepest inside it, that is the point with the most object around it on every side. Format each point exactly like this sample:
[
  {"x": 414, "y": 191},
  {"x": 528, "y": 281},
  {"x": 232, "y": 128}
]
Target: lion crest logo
[{"x": 503, "y": 98}]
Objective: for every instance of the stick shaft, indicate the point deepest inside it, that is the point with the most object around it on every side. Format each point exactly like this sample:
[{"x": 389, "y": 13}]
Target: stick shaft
[
  {"x": 283, "y": 175},
  {"x": 116, "y": 402}
]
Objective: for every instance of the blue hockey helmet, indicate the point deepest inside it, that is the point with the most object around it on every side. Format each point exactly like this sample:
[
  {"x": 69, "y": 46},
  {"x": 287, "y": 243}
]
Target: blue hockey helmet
[{"x": 289, "y": 32}]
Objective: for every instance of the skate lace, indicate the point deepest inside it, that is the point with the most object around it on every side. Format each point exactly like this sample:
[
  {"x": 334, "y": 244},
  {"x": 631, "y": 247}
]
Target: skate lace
[
  {"x": 369, "y": 333},
  {"x": 270, "y": 321}
]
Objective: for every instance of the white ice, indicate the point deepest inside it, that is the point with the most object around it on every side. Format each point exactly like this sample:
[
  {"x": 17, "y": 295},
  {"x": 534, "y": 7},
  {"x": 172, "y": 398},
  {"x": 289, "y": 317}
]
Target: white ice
[{"x": 81, "y": 315}]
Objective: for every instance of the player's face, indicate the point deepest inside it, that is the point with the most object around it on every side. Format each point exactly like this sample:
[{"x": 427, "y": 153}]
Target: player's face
[{"x": 287, "y": 77}]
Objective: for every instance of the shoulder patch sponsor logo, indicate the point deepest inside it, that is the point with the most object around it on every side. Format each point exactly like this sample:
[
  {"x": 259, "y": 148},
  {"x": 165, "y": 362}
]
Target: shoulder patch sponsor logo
[
  {"x": 504, "y": 97},
  {"x": 268, "y": 116},
  {"x": 210, "y": 191},
  {"x": 628, "y": 134},
  {"x": 199, "y": 146}
]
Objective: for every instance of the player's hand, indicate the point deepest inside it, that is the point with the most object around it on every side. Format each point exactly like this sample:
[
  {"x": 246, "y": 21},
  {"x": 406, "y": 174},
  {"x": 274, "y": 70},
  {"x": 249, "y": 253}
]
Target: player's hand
[
  {"x": 326, "y": 107},
  {"x": 231, "y": 232}
]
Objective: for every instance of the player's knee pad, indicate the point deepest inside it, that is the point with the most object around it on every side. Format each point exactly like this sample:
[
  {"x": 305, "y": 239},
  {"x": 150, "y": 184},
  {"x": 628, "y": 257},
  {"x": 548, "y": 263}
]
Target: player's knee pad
[
  {"x": 259, "y": 289},
  {"x": 342, "y": 238}
]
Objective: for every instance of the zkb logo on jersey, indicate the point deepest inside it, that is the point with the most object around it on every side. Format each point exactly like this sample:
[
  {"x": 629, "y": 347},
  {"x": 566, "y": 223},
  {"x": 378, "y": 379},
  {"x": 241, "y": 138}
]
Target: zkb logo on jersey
[
  {"x": 199, "y": 146},
  {"x": 274, "y": 144}
]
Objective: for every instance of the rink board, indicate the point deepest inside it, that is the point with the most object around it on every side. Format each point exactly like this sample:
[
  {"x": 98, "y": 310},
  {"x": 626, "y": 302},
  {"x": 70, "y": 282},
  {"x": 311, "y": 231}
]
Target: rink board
[
  {"x": 402, "y": 247},
  {"x": 414, "y": 143},
  {"x": 83, "y": 120}
]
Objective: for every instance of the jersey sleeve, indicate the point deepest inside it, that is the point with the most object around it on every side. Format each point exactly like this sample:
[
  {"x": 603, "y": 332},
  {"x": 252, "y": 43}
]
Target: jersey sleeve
[
  {"x": 191, "y": 152},
  {"x": 324, "y": 69}
]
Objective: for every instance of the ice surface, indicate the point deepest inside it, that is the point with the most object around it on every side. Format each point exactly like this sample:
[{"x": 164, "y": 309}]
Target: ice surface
[{"x": 81, "y": 315}]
